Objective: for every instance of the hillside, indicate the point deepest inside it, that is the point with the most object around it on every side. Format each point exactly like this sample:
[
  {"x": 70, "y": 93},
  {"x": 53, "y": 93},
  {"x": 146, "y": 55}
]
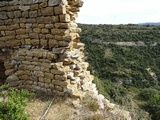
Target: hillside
[{"x": 125, "y": 58}]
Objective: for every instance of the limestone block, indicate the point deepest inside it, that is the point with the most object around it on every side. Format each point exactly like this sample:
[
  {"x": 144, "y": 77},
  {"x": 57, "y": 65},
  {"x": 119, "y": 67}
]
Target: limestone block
[
  {"x": 22, "y": 31},
  {"x": 27, "y": 41},
  {"x": 63, "y": 43},
  {"x": 41, "y": 79},
  {"x": 8, "y": 21},
  {"x": 49, "y": 36},
  {"x": 59, "y": 88},
  {"x": 25, "y": 14},
  {"x": 9, "y": 72},
  {"x": 47, "y": 11},
  {"x": 40, "y": 19},
  {"x": 43, "y": 4},
  {"x": 38, "y": 73},
  {"x": 22, "y": 20},
  {"x": 49, "y": 26},
  {"x": 62, "y": 25},
  {"x": 37, "y": 30},
  {"x": 52, "y": 43},
  {"x": 3, "y": 15},
  {"x": 54, "y": 2},
  {"x": 41, "y": 84},
  {"x": 13, "y": 43},
  {"x": 1, "y": 22},
  {"x": 8, "y": 65},
  {"x": 10, "y": 33},
  {"x": 3, "y": 28},
  {"x": 57, "y": 72},
  {"x": 33, "y": 14},
  {"x": 41, "y": 25},
  {"x": 34, "y": 7},
  {"x": 48, "y": 75},
  {"x": 36, "y": 87},
  {"x": 61, "y": 9},
  {"x": 22, "y": 36},
  {"x": 47, "y": 65},
  {"x": 60, "y": 77},
  {"x": 64, "y": 18},
  {"x": 37, "y": 53},
  {"x": 43, "y": 42},
  {"x": 31, "y": 20},
  {"x": 60, "y": 83},
  {"x": 24, "y": 8},
  {"x": 33, "y": 35},
  {"x": 47, "y": 80},
  {"x": 29, "y": 67},
  {"x": 42, "y": 36},
  {"x": 17, "y": 14},
  {"x": 13, "y": 27},
  {"x": 24, "y": 77},
  {"x": 57, "y": 31},
  {"x": 51, "y": 56},
  {"x": 44, "y": 31}
]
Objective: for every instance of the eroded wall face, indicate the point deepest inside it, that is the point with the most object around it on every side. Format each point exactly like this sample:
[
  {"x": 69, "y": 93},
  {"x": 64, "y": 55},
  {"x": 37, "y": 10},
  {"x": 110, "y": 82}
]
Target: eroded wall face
[{"x": 42, "y": 40}]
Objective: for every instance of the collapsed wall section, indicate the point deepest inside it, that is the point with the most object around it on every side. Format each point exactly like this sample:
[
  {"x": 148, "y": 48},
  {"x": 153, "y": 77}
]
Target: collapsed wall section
[{"x": 45, "y": 54}]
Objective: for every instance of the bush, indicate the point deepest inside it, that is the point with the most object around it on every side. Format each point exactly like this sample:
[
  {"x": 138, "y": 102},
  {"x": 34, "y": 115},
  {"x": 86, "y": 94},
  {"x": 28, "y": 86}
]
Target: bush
[
  {"x": 147, "y": 93},
  {"x": 13, "y": 107},
  {"x": 153, "y": 107}
]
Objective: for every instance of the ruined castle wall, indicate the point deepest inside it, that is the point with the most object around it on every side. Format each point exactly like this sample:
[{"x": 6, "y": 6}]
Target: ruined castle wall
[{"x": 41, "y": 42}]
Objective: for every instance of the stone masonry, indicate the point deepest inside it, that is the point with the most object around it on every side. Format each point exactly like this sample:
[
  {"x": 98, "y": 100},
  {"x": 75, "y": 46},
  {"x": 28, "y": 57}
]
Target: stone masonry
[{"x": 40, "y": 46}]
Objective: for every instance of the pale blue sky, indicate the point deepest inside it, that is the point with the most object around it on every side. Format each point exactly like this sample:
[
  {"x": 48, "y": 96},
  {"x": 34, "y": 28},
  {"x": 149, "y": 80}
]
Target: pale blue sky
[{"x": 119, "y": 11}]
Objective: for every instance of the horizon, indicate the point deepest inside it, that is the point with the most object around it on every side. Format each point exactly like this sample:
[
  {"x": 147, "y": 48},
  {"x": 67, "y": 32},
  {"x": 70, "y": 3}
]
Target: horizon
[{"x": 119, "y": 12}]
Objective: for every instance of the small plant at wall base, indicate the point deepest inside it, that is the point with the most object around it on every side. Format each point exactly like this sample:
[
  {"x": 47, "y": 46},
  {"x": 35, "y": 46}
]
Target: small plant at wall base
[{"x": 13, "y": 107}]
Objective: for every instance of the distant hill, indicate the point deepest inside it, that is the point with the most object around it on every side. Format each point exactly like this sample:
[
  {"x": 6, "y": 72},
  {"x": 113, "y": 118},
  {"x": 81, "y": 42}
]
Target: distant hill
[{"x": 151, "y": 23}]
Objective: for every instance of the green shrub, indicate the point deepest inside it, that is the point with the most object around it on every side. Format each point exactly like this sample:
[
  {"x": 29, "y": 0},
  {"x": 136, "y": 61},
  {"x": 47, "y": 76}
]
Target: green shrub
[
  {"x": 153, "y": 107},
  {"x": 147, "y": 93},
  {"x": 13, "y": 107}
]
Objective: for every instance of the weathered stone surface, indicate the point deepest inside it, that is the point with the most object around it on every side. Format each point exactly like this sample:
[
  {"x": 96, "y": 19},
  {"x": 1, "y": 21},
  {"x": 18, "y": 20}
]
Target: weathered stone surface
[
  {"x": 24, "y": 8},
  {"x": 33, "y": 14},
  {"x": 47, "y": 11},
  {"x": 61, "y": 9}
]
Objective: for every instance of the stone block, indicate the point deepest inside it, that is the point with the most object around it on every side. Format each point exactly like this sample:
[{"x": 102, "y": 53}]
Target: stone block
[
  {"x": 22, "y": 36},
  {"x": 33, "y": 35},
  {"x": 44, "y": 31},
  {"x": 10, "y": 33},
  {"x": 17, "y": 14},
  {"x": 31, "y": 20},
  {"x": 34, "y": 7},
  {"x": 41, "y": 25},
  {"x": 60, "y": 77},
  {"x": 37, "y": 30},
  {"x": 57, "y": 72},
  {"x": 43, "y": 42},
  {"x": 47, "y": 80},
  {"x": 47, "y": 11},
  {"x": 23, "y": 20},
  {"x": 64, "y": 18},
  {"x": 52, "y": 43},
  {"x": 8, "y": 65},
  {"x": 61, "y": 9},
  {"x": 43, "y": 4},
  {"x": 24, "y": 8},
  {"x": 9, "y": 72},
  {"x": 33, "y": 14},
  {"x": 8, "y": 21},
  {"x": 25, "y": 14},
  {"x": 49, "y": 36},
  {"x": 22, "y": 31},
  {"x": 3, "y": 15},
  {"x": 62, "y": 25}
]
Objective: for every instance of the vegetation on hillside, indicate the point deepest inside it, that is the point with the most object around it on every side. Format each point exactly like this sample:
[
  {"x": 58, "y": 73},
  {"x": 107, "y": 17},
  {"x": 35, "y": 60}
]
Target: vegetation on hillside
[{"x": 123, "y": 73}]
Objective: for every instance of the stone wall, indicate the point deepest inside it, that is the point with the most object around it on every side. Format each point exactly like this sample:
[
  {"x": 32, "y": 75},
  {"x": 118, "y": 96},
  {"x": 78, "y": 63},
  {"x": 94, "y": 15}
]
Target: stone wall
[{"x": 40, "y": 47}]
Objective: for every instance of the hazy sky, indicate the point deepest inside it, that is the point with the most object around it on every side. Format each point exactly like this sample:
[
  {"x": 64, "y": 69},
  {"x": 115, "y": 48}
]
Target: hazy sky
[{"x": 119, "y": 11}]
